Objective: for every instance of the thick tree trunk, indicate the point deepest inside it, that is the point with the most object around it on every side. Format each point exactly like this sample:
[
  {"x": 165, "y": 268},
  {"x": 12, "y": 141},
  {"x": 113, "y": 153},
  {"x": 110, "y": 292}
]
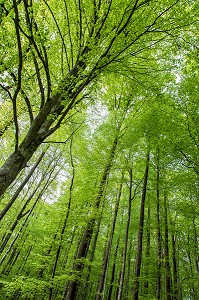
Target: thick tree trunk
[
  {"x": 41, "y": 127},
  {"x": 18, "y": 160},
  {"x": 140, "y": 234}
]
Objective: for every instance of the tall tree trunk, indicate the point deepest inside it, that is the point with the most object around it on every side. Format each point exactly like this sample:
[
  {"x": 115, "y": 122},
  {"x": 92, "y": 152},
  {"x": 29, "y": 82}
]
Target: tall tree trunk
[
  {"x": 196, "y": 250},
  {"x": 159, "y": 242},
  {"x": 148, "y": 247},
  {"x": 88, "y": 232},
  {"x": 128, "y": 276},
  {"x": 113, "y": 272},
  {"x": 91, "y": 257},
  {"x": 190, "y": 271},
  {"x": 65, "y": 221},
  {"x": 166, "y": 252},
  {"x": 176, "y": 294},
  {"x": 140, "y": 233},
  {"x": 124, "y": 253},
  {"x": 108, "y": 248}
]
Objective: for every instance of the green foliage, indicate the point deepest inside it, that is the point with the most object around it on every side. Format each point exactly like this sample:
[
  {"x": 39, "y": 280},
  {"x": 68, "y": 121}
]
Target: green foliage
[{"x": 121, "y": 74}]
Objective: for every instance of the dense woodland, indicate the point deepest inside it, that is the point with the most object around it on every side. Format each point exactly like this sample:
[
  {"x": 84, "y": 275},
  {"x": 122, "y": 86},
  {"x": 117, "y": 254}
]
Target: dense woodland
[{"x": 99, "y": 139}]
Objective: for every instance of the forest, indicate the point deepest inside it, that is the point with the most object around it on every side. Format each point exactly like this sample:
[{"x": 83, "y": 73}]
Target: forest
[{"x": 99, "y": 150}]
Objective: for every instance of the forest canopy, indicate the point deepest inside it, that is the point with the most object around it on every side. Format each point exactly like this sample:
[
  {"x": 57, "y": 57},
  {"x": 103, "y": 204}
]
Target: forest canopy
[{"x": 99, "y": 115}]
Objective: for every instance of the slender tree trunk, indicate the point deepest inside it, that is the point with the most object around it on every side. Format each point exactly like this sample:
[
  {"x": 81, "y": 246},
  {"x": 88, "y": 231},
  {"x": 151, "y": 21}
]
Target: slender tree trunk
[
  {"x": 28, "y": 214},
  {"x": 108, "y": 248},
  {"x": 128, "y": 276},
  {"x": 140, "y": 234},
  {"x": 176, "y": 295},
  {"x": 21, "y": 214},
  {"x": 124, "y": 253},
  {"x": 196, "y": 250},
  {"x": 166, "y": 253},
  {"x": 190, "y": 270},
  {"x": 65, "y": 221},
  {"x": 20, "y": 188},
  {"x": 47, "y": 253},
  {"x": 113, "y": 272},
  {"x": 159, "y": 242},
  {"x": 148, "y": 247},
  {"x": 8, "y": 266}
]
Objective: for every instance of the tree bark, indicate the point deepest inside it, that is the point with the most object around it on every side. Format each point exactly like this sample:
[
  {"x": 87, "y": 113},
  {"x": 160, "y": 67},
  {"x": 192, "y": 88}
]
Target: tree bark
[
  {"x": 113, "y": 272},
  {"x": 65, "y": 221},
  {"x": 159, "y": 242},
  {"x": 140, "y": 233},
  {"x": 196, "y": 250},
  {"x": 108, "y": 248},
  {"x": 166, "y": 252},
  {"x": 124, "y": 253},
  {"x": 70, "y": 293},
  {"x": 176, "y": 295},
  {"x": 148, "y": 247}
]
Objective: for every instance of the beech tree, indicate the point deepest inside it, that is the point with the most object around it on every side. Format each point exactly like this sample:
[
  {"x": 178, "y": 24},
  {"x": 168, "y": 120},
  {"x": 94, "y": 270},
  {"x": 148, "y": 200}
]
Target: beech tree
[
  {"x": 99, "y": 150},
  {"x": 97, "y": 36}
]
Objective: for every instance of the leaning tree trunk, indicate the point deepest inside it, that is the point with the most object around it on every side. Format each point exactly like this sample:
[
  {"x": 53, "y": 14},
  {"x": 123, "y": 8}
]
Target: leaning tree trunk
[
  {"x": 23, "y": 211},
  {"x": 140, "y": 234},
  {"x": 20, "y": 188},
  {"x": 41, "y": 128},
  {"x": 28, "y": 214}
]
